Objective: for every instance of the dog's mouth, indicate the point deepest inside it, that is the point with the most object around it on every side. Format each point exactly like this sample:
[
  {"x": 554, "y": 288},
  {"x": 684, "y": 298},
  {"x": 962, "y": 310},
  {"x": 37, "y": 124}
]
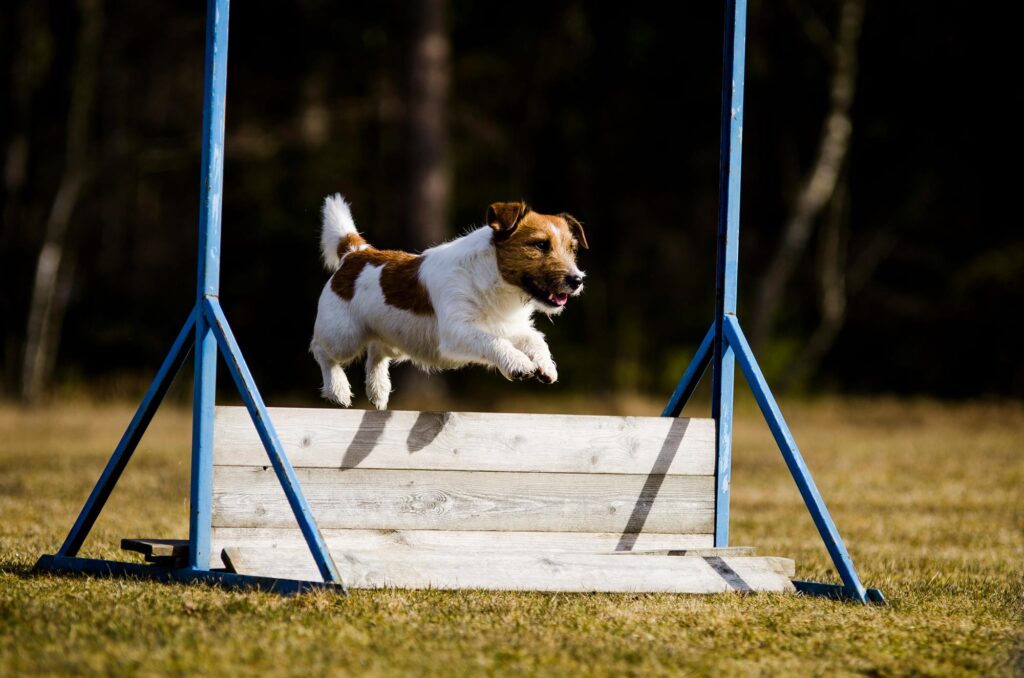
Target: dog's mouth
[{"x": 551, "y": 299}]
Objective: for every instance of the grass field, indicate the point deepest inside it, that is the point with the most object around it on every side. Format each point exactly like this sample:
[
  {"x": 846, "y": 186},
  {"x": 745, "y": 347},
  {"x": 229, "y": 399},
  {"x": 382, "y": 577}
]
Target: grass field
[{"x": 927, "y": 495}]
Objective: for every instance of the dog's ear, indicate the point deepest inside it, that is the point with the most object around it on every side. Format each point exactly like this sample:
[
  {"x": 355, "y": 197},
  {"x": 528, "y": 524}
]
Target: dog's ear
[
  {"x": 577, "y": 229},
  {"x": 504, "y": 217}
]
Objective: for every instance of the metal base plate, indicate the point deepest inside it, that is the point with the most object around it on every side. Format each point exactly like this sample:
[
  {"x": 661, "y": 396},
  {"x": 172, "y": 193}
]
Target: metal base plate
[
  {"x": 222, "y": 578},
  {"x": 813, "y": 588}
]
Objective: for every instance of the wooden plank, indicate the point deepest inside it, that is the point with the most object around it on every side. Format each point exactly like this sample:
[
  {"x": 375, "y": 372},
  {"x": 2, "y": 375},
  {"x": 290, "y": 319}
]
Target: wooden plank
[
  {"x": 468, "y": 441},
  {"x": 157, "y": 548},
  {"x": 559, "y": 502},
  {"x": 412, "y": 542},
  {"x": 569, "y": 572},
  {"x": 712, "y": 552}
]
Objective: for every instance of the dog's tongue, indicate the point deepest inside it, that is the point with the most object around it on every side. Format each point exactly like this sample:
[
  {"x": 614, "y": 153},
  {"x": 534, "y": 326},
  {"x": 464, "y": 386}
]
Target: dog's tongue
[{"x": 558, "y": 299}]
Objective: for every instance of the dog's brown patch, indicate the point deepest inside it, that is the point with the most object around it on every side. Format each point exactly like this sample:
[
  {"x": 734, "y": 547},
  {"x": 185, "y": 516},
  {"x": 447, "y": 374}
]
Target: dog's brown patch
[
  {"x": 400, "y": 281},
  {"x": 343, "y": 282},
  {"x": 349, "y": 243},
  {"x": 534, "y": 250},
  {"x": 399, "y": 278}
]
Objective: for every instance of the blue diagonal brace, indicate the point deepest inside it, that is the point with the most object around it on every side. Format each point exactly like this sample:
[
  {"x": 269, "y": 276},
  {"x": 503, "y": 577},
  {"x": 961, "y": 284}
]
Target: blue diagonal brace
[
  {"x": 275, "y": 451},
  {"x": 691, "y": 377},
  {"x": 795, "y": 461},
  {"x": 130, "y": 440}
]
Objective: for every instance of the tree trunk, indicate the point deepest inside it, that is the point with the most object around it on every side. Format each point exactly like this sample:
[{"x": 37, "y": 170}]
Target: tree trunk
[
  {"x": 838, "y": 282},
  {"x": 424, "y": 221},
  {"x": 48, "y": 302},
  {"x": 29, "y": 66},
  {"x": 819, "y": 185},
  {"x": 832, "y": 292},
  {"x": 427, "y": 116}
]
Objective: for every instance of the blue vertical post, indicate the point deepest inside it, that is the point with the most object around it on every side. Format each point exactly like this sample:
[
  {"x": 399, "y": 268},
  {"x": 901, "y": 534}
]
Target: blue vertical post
[
  {"x": 214, "y": 96},
  {"x": 730, "y": 165}
]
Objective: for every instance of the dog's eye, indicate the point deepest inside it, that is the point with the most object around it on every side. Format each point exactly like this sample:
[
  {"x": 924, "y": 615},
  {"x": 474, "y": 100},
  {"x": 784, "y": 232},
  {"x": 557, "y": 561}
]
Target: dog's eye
[{"x": 542, "y": 245}]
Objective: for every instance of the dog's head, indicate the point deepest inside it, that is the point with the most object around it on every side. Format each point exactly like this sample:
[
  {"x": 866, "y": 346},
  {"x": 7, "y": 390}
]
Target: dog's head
[{"x": 537, "y": 253}]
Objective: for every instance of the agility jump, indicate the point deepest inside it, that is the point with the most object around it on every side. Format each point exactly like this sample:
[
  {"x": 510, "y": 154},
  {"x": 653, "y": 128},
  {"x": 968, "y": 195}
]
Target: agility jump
[{"x": 553, "y": 503}]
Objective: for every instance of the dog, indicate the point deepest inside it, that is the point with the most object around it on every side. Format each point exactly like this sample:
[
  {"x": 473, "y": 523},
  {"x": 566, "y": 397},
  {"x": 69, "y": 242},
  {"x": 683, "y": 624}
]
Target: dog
[{"x": 467, "y": 301}]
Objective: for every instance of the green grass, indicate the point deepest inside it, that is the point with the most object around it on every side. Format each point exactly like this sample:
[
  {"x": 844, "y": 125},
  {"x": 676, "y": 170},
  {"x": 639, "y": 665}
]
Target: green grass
[{"x": 926, "y": 494}]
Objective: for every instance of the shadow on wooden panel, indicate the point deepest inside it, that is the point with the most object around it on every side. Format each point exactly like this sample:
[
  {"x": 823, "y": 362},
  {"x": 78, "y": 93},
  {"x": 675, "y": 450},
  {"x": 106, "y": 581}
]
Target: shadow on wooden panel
[
  {"x": 731, "y": 577},
  {"x": 425, "y": 429},
  {"x": 652, "y": 485},
  {"x": 371, "y": 427}
]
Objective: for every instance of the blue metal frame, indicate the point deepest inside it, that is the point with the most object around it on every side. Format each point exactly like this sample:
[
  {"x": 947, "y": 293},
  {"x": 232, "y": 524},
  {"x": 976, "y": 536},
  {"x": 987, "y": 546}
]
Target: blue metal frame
[
  {"x": 212, "y": 331},
  {"x": 113, "y": 568},
  {"x": 730, "y": 159},
  {"x": 208, "y": 282},
  {"x": 130, "y": 440},
  {"x": 725, "y": 343}
]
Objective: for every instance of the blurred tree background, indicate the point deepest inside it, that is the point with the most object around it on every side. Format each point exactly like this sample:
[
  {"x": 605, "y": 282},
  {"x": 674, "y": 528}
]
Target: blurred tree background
[{"x": 873, "y": 256}]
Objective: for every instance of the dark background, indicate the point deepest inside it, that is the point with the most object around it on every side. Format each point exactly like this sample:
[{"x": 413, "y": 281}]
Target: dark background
[{"x": 609, "y": 111}]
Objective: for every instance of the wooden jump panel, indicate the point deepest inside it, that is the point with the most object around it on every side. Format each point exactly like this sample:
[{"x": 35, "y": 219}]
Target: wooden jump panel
[
  {"x": 570, "y": 572},
  {"x": 467, "y": 441},
  {"x": 483, "y": 501},
  {"x": 413, "y": 542},
  {"x": 246, "y": 496}
]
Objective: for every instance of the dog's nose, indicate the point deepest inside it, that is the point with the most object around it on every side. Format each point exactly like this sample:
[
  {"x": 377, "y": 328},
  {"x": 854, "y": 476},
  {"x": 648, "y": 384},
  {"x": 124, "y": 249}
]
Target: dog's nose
[{"x": 574, "y": 281}]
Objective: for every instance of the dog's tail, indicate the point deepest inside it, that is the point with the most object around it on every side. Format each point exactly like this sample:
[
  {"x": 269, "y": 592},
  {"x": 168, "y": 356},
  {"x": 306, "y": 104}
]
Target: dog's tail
[{"x": 338, "y": 236}]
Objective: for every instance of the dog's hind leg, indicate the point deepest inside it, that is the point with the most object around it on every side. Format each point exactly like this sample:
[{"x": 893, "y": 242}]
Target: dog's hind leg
[
  {"x": 336, "y": 387},
  {"x": 378, "y": 378}
]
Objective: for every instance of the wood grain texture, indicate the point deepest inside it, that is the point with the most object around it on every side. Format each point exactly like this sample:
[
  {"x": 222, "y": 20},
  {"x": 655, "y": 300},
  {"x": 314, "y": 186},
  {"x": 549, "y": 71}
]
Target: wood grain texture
[
  {"x": 568, "y": 572},
  {"x": 464, "y": 500},
  {"x": 467, "y": 441},
  {"x": 412, "y": 542}
]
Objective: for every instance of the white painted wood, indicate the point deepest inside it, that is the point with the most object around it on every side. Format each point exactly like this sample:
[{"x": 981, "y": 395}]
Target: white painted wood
[
  {"x": 569, "y": 572},
  {"x": 339, "y": 438},
  {"x": 464, "y": 500},
  {"x": 412, "y": 542}
]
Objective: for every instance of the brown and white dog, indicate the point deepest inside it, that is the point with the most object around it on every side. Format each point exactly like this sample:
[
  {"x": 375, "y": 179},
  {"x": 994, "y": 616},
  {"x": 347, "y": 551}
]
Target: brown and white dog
[{"x": 468, "y": 301}]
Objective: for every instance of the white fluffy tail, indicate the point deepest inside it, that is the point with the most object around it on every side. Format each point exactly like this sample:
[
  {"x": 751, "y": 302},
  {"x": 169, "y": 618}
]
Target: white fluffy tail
[{"x": 338, "y": 226}]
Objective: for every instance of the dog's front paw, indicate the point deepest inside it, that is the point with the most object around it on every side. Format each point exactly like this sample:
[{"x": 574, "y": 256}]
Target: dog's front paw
[
  {"x": 546, "y": 372},
  {"x": 519, "y": 368},
  {"x": 521, "y": 375}
]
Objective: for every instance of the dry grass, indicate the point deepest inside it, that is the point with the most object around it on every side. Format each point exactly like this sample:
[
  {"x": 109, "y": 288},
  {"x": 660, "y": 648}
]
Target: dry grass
[{"x": 926, "y": 494}]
